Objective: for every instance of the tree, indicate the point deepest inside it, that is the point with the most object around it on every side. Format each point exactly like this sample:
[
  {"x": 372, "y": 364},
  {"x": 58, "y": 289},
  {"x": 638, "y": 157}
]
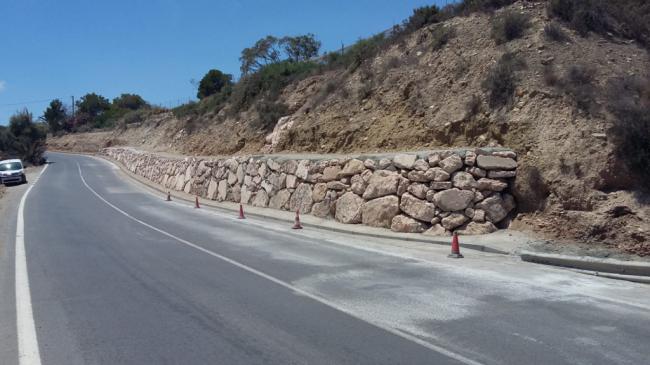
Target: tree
[
  {"x": 214, "y": 82},
  {"x": 130, "y": 101},
  {"x": 301, "y": 48},
  {"x": 263, "y": 52},
  {"x": 25, "y": 138},
  {"x": 93, "y": 104},
  {"x": 55, "y": 115}
]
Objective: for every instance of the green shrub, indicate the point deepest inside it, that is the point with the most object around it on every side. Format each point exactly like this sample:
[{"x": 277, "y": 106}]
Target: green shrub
[
  {"x": 267, "y": 82},
  {"x": 508, "y": 26},
  {"x": 629, "y": 102},
  {"x": 441, "y": 35},
  {"x": 24, "y": 138},
  {"x": 359, "y": 52},
  {"x": 136, "y": 116},
  {"x": 186, "y": 110},
  {"x": 553, "y": 32},
  {"x": 501, "y": 80}
]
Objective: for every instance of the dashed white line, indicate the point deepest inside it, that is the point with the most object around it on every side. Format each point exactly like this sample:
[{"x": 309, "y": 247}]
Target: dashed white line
[{"x": 28, "y": 351}]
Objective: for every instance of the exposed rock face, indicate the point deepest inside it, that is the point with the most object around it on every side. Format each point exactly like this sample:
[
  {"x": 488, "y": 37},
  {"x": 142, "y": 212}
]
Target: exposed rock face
[
  {"x": 453, "y": 199},
  {"x": 348, "y": 208},
  {"x": 380, "y": 212},
  {"x": 405, "y": 224},
  {"x": 416, "y": 208},
  {"x": 438, "y": 192}
]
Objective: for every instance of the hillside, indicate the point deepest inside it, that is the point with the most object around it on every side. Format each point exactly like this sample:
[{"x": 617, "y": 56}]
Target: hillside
[{"x": 422, "y": 92}]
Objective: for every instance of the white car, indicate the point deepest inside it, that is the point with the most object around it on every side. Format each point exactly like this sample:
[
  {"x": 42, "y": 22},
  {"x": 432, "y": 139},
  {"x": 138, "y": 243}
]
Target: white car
[{"x": 12, "y": 171}]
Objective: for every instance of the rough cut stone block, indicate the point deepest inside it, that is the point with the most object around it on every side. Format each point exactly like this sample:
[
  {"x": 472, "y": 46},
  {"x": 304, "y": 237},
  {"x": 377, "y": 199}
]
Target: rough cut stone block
[
  {"x": 453, "y": 199},
  {"x": 348, "y": 208},
  {"x": 451, "y": 164},
  {"x": 416, "y": 208},
  {"x": 381, "y": 183},
  {"x": 402, "y": 223},
  {"x": 496, "y": 163},
  {"x": 404, "y": 161},
  {"x": 380, "y": 212}
]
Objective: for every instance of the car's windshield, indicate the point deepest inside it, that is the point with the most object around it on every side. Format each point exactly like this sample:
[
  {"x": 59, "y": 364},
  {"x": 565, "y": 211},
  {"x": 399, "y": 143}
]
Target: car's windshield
[{"x": 7, "y": 166}]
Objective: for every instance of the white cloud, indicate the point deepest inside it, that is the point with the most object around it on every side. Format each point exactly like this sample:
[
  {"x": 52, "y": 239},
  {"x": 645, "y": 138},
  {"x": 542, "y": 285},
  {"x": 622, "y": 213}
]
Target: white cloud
[{"x": 3, "y": 85}]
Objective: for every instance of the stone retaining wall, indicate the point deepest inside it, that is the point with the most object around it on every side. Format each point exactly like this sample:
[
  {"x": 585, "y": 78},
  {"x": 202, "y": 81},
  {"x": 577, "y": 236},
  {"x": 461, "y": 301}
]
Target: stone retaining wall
[{"x": 434, "y": 193}]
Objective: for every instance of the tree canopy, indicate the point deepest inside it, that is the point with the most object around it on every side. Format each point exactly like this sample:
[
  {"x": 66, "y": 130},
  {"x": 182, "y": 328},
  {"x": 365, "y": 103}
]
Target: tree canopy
[
  {"x": 55, "y": 115},
  {"x": 93, "y": 104},
  {"x": 130, "y": 101},
  {"x": 214, "y": 82}
]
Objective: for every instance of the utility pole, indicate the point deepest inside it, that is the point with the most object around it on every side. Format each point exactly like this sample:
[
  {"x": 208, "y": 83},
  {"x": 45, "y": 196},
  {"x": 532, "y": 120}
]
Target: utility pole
[{"x": 72, "y": 106}]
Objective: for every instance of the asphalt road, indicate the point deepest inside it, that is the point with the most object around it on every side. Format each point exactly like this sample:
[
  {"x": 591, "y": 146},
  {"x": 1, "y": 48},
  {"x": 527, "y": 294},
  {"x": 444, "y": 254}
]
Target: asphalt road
[{"x": 119, "y": 276}]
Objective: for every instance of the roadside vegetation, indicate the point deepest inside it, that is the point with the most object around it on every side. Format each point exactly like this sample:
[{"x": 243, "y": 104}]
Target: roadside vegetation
[{"x": 23, "y": 138}]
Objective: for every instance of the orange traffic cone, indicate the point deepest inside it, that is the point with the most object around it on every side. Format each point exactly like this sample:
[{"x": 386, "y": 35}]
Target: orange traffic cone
[
  {"x": 297, "y": 224},
  {"x": 241, "y": 212},
  {"x": 455, "y": 248}
]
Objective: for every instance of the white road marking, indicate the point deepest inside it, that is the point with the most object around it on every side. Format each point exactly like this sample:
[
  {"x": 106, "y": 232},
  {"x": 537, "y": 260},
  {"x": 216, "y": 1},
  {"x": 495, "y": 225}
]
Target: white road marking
[
  {"x": 28, "y": 351},
  {"x": 315, "y": 297}
]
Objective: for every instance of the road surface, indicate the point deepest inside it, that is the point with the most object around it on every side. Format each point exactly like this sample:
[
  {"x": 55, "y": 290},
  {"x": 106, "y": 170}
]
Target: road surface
[{"x": 116, "y": 275}]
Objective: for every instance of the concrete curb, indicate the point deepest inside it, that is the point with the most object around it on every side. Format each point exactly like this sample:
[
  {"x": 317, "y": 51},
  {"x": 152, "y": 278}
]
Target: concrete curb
[
  {"x": 223, "y": 207},
  {"x": 632, "y": 278},
  {"x": 615, "y": 269}
]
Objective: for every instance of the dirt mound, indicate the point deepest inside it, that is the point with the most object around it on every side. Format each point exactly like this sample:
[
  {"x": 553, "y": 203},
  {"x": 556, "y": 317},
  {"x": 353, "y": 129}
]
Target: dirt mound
[{"x": 414, "y": 96}]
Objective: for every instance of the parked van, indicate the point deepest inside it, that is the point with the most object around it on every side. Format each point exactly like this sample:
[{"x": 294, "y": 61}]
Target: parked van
[{"x": 12, "y": 172}]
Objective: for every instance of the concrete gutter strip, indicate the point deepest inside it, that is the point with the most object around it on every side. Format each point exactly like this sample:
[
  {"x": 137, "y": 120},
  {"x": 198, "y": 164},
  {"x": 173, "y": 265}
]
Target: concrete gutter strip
[{"x": 609, "y": 266}]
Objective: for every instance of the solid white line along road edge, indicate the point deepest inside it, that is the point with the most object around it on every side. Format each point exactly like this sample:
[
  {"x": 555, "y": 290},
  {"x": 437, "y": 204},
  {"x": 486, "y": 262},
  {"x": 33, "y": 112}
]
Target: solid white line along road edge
[
  {"x": 28, "y": 352},
  {"x": 295, "y": 289}
]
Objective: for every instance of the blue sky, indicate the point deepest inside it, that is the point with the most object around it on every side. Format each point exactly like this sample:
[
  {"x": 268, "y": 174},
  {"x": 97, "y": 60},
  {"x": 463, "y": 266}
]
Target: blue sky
[{"x": 56, "y": 49}]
